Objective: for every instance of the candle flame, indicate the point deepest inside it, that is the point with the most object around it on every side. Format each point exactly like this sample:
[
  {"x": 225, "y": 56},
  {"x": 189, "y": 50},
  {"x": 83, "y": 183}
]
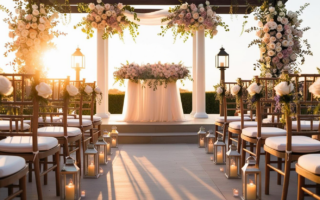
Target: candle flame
[
  {"x": 70, "y": 183},
  {"x": 101, "y": 152},
  {"x": 91, "y": 163},
  {"x": 251, "y": 182}
]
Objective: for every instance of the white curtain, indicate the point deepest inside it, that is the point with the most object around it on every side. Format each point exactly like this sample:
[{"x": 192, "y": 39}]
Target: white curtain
[{"x": 153, "y": 18}]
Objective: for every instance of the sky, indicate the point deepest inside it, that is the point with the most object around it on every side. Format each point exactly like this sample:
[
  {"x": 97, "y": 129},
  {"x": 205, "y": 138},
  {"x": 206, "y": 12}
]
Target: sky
[{"x": 151, "y": 48}]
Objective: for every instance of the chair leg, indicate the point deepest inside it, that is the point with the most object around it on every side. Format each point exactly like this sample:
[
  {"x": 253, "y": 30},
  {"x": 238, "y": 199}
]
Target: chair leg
[
  {"x": 37, "y": 176},
  {"x": 243, "y": 153},
  {"x": 300, "y": 185},
  {"x": 45, "y": 167},
  {"x": 287, "y": 167},
  {"x": 23, "y": 187},
  {"x": 239, "y": 143},
  {"x": 78, "y": 154},
  {"x": 30, "y": 172},
  {"x": 229, "y": 140},
  {"x": 225, "y": 128},
  {"x": 318, "y": 189},
  {"x": 267, "y": 174},
  {"x": 258, "y": 152},
  {"x": 10, "y": 190},
  {"x": 279, "y": 167},
  {"x": 57, "y": 173},
  {"x": 215, "y": 133}
]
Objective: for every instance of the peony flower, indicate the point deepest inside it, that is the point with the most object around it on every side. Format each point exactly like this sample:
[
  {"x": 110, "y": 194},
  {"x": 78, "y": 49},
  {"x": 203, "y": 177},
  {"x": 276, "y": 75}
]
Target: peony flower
[
  {"x": 280, "y": 55},
  {"x": 72, "y": 90},
  {"x": 195, "y": 15},
  {"x": 315, "y": 88},
  {"x": 120, "y": 6},
  {"x": 200, "y": 19},
  {"x": 88, "y": 89},
  {"x": 11, "y": 34},
  {"x": 43, "y": 90},
  {"x": 98, "y": 18},
  {"x": 35, "y": 12},
  {"x": 272, "y": 9},
  {"x": 280, "y": 4},
  {"x": 293, "y": 56},
  {"x": 34, "y": 19},
  {"x": 268, "y": 75},
  {"x": 201, "y": 27},
  {"x": 33, "y": 34},
  {"x": 271, "y": 53},
  {"x": 285, "y": 43},
  {"x": 278, "y": 49},
  {"x": 260, "y": 24},
  {"x": 235, "y": 89},
  {"x": 219, "y": 90},
  {"x": 42, "y": 11},
  {"x": 107, "y": 6},
  {"x": 291, "y": 43},
  {"x": 5, "y": 86},
  {"x": 41, "y": 27},
  {"x": 99, "y": 1},
  {"x": 91, "y": 6},
  {"x": 109, "y": 13},
  {"x": 273, "y": 39},
  {"x": 97, "y": 90},
  {"x": 266, "y": 29},
  {"x": 29, "y": 42},
  {"x": 184, "y": 6},
  {"x": 283, "y": 88},
  {"x": 284, "y": 21},
  {"x": 254, "y": 88}
]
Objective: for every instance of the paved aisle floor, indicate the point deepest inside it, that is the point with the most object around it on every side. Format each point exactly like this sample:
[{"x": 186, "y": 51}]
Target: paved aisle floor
[{"x": 161, "y": 171}]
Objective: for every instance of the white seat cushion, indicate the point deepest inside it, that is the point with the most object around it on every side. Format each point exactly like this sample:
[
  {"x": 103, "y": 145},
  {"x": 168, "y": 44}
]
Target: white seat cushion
[
  {"x": 68, "y": 117},
  {"x": 19, "y": 144},
  {"x": 237, "y": 125},
  {"x": 57, "y": 131},
  {"x": 232, "y": 119},
  {"x": 76, "y": 122},
  {"x": 48, "y": 120},
  {"x": 95, "y": 118},
  {"x": 5, "y": 125},
  {"x": 305, "y": 125},
  {"x": 310, "y": 162},
  {"x": 269, "y": 120},
  {"x": 300, "y": 144},
  {"x": 10, "y": 165},
  {"x": 245, "y": 115},
  {"x": 265, "y": 132}
]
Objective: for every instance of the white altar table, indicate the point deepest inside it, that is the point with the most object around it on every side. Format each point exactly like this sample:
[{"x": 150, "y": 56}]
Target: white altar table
[{"x": 143, "y": 104}]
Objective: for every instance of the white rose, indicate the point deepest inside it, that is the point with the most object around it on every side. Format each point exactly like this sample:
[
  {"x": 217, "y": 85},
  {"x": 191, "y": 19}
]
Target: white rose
[
  {"x": 293, "y": 56},
  {"x": 97, "y": 90},
  {"x": 184, "y": 6},
  {"x": 280, "y": 3},
  {"x": 43, "y": 90},
  {"x": 268, "y": 75},
  {"x": 88, "y": 89},
  {"x": 195, "y": 15},
  {"x": 109, "y": 13},
  {"x": 283, "y": 88},
  {"x": 235, "y": 89},
  {"x": 271, "y": 53},
  {"x": 278, "y": 49},
  {"x": 200, "y": 19},
  {"x": 315, "y": 88},
  {"x": 281, "y": 14},
  {"x": 34, "y": 7},
  {"x": 120, "y": 6},
  {"x": 5, "y": 86},
  {"x": 72, "y": 90},
  {"x": 99, "y": 1},
  {"x": 260, "y": 24},
  {"x": 254, "y": 88},
  {"x": 207, "y": 3},
  {"x": 271, "y": 9},
  {"x": 35, "y": 12},
  {"x": 92, "y": 6},
  {"x": 219, "y": 90}
]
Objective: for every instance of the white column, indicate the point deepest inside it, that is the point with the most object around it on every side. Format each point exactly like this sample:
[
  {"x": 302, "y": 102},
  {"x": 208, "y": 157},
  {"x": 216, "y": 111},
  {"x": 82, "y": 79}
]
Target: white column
[
  {"x": 200, "y": 77},
  {"x": 194, "y": 72},
  {"x": 102, "y": 74}
]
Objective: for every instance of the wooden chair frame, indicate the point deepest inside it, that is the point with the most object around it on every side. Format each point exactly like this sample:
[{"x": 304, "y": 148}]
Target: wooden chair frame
[{"x": 302, "y": 187}]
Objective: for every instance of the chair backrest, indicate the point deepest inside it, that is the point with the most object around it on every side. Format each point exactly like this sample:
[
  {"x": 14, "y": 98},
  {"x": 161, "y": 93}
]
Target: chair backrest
[{"x": 244, "y": 104}]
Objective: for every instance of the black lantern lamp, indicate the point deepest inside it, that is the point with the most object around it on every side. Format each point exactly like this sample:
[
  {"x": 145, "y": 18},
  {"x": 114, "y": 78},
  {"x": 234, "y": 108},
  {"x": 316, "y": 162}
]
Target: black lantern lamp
[
  {"x": 78, "y": 62},
  {"x": 222, "y": 59}
]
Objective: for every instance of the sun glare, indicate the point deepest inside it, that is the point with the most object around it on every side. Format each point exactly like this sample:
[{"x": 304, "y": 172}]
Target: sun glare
[{"x": 54, "y": 65}]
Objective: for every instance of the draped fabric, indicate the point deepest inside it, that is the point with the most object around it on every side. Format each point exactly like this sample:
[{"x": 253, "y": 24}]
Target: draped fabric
[
  {"x": 153, "y": 18},
  {"x": 143, "y": 104}
]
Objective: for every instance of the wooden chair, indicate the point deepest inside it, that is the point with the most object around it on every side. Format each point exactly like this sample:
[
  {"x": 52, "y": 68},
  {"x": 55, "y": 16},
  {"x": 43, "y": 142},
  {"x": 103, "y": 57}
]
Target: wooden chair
[{"x": 28, "y": 145}]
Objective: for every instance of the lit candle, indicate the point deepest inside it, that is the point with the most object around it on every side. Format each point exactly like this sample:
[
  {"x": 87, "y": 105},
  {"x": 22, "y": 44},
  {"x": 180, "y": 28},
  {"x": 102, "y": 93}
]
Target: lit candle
[
  {"x": 114, "y": 142},
  {"x": 91, "y": 169},
  {"x": 219, "y": 157},
  {"x": 210, "y": 148},
  {"x": 221, "y": 169},
  {"x": 101, "y": 157},
  {"x": 211, "y": 158},
  {"x": 201, "y": 142},
  {"x": 233, "y": 169},
  {"x": 251, "y": 191},
  {"x": 235, "y": 192},
  {"x": 108, "y": 149},
  {"x": 101, "y": 171},
  {"x": 70, "y": 191},
  {"x": 83, "y": 193},
  {"x": 222, "y": 64}
]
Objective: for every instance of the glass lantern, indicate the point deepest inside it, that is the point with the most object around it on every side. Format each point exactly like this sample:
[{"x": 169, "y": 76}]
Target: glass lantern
[
  {"x": 107, "y": 139},
  {"x": 209, "y": 142},
  {"x": 201, "y": 137},
  {"x": 114, "y": 137},
  {"x": 222, "y": 59},
  {"x": 70, "y": 181},
  {"x": 251, "y": 180},
  {"x": 102, "y": 149},
  {"x": 91, "y": 162},
  {"x": 233, "y": 162},
  {"x": 219, "y": 149}
]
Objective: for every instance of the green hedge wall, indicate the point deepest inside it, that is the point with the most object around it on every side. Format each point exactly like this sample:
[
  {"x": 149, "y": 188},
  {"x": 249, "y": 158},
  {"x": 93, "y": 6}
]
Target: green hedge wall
[{"x": 212, "y": 105}]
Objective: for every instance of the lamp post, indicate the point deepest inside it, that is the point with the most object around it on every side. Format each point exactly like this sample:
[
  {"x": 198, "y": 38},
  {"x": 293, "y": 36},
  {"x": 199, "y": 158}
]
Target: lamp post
[
  {"x": 78, "y": 62},
  {"x": 222, "y": 62}
]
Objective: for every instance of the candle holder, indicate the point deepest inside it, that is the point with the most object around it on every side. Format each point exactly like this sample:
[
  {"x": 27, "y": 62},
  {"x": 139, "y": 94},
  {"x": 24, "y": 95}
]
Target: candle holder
[
  {"x": 101, "y": 146},
  {"x": 108, "y": 140},
  {"x": 209, "y": 142},
  {"x": 114, "y": 137},
  {"x": 235, "y": 192},
  {"x": 91, "y": 162},
  {"x": 201, "y": 137},
  {"x": 219, "y": 152},
  {"x": 233, "y": 162},
  {"x": 70, "y": 181},
  {"x": 251, "y": 180},
  {"x": 83, "y": 193}
]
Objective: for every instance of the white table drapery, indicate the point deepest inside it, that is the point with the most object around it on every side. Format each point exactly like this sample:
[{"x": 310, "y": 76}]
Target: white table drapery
[{"x": 143, "y": 104}]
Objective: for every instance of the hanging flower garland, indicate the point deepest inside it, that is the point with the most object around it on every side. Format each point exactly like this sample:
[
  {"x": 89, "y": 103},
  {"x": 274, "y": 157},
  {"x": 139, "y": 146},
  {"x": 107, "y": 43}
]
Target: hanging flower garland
[
  {"x": 280, "y": 39},
  {"x": 108, "y": 17},
  {"x": 185, "y": 18}
]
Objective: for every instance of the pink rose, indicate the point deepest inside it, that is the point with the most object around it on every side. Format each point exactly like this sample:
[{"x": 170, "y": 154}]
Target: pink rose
[{"x": 280, "y": 55}]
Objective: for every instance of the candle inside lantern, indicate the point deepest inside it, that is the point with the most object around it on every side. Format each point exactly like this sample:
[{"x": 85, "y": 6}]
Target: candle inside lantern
[
  {"x": 235, "y": 192},
  {"x": 91, "y": 168},
  {"x": 108, "y": 148},
  {"x": 210, "y": 147},
  {"x": 83, "y": 193},
  {"x": 70, "y": 191},
  {"x": 221, "y": 169},
  {"x": 219, "y": 157},
  {"x": 101, "y": 157},
  {"x": 77, "y": 65},
  {"x": 114, "y": 142},
  {"x": 211, "y": 158},
  {"x": 233, "y": 169},
  {"x": 222, "y": 64},
  {"x": 101, "y": 170},
  {"x": 201, "y": 142},
  {"x": 251, "y": 191}
]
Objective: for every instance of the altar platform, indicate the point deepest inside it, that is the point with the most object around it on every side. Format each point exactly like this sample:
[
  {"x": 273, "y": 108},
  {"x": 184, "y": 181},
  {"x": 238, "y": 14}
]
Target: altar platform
[{"x": 158, "y": 132}]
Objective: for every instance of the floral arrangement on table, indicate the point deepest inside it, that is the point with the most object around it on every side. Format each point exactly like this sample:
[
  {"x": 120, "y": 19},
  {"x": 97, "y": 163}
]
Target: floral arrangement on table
[
  {"x": 31, "y": 31},
  {"x": 221, "y": 92},
  {"x": 255, "y": 92},
  {"x": 108, "y": 17},
  {"x": 280, "y": 39},
  {"x": 160, "y": 73},
  {"x": 185, "y": 18}
]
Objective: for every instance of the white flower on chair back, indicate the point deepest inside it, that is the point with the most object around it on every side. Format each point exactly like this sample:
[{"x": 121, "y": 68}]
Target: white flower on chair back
[
  {"x": 235, "y": 89},
  {"x": 5, "y": 86},
  {"x": 88, "y": 89},
  {"x": 283, "y": 88},
  {"x": 219, "y": 90},
  {"x": 268, "y": 75},
  {"x": 315, "y": 88},
  {"x": 97, "y": 90},
  {"x": 43, "y": 90},
  {"x": 254, "y": 88},
  {"x": 72, "y": 90}
]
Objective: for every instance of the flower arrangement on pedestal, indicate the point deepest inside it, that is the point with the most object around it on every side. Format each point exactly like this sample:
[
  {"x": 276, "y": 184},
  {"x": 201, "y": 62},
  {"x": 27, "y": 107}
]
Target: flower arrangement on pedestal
[
  {"x": 280, "y": 38},
  {"x": 107, "y": 17},
  {"x": 31, "y": 31},
  {"x": 185, "y": 18},
  {"x": 158, "y": 72}
]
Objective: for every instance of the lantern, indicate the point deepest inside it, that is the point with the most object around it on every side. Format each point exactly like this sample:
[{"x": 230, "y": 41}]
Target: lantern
[
  {"x": 251, "y": 180},
  {"x": 209, "y": 141},
  {"x": 70, "y": 181},
  {"x": 107, "y": 139},
  {"x": 91, "y": 162},
  {"x": 222, "y": 59},
  {"x": 219, "y": 149},
  {"x": 102, "y": 149},
  {"x": 114, "y": 137},
  {"x": 78, "y": 62},
  {"x": 201, "y": 137},
  {"x": 233, "y": 162}
]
